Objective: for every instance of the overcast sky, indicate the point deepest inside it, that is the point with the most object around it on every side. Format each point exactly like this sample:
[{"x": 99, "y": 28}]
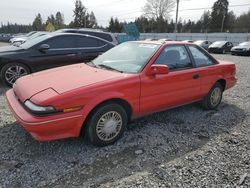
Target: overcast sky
[{"x": 24, "y": 11}]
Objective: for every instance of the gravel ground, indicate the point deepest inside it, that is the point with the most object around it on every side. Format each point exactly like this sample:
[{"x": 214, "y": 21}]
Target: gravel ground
[{"x": 182, "y": 147}]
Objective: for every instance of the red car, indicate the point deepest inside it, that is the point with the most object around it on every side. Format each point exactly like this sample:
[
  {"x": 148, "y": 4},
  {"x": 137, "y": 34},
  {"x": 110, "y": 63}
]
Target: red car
[{"x": 127, "y": 82}]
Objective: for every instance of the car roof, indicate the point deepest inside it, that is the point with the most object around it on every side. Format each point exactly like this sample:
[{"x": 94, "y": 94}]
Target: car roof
[{"x": 53, "y": 34}]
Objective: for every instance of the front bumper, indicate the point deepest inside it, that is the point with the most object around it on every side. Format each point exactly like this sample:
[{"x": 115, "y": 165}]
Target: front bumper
[
  {"x": 239, "y": 52},
  {"x": 46, "y": 128}
]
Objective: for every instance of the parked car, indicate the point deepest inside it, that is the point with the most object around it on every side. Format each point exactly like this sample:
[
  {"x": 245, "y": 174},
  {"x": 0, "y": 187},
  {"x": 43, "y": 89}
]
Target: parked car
[
  {"x": 23, "y": 40},
  {"x": 165, "y": 39},
  {"x": 20, "y": 38},
  {"x": 48, "y": 51},
  {"x": 94, "y": 32},
  {"x": 203, "y": 43},
  {"x": 220, "y": 47},
  {"x": 129, "y": 81},
  {"x": 190, "y": 41},
  {"x": 242, "y": 49}
]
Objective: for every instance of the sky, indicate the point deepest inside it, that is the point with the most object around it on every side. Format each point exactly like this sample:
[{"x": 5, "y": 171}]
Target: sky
[{"x": 24, "y": 11}]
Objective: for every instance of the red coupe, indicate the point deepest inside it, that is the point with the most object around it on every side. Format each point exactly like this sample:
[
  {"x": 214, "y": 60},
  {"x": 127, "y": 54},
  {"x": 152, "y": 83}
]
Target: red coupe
[{"x": 129, "y": 81}]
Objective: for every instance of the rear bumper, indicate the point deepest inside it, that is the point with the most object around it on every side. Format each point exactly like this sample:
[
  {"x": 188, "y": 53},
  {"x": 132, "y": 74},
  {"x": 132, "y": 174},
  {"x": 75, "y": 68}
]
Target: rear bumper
[{"x": 45, "y": 128}]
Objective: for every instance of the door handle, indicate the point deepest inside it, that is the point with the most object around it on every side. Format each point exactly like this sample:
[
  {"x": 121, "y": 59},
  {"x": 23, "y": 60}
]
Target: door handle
[{"x": 196, "y": 76}]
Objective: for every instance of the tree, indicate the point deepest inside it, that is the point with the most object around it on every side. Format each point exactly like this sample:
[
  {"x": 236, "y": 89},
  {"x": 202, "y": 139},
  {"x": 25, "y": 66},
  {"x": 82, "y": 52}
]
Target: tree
[
  {"x": 92, "y": 20},
  {"x": 80, "y": 15},
  {"x": 242, "y": 23},
  {"x": 59, "y": 20},
  {"x": 37, "y": 23},
  {"x": 50, "y": 27},
  {"x": 114, "y": 25},
  {"x": 219, "y": 16},
  {"x": 205, "y": 21},
  {"x": 159, "y": 8}
]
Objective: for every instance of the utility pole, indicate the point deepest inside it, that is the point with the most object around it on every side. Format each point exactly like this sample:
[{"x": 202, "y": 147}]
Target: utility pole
[
  {"x": 176, "y": 19},
  {"x": 223, "y": 20}
]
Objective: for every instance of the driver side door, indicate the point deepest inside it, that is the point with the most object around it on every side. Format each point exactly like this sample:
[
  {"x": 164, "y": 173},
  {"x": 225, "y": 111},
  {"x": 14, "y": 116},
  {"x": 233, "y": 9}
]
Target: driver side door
[{"x": 180, "y": 86}]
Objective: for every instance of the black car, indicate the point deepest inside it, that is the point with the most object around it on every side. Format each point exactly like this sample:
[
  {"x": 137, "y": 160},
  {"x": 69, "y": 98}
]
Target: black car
[
  {"x": 242, "y": 49},
  {"x": 48, "y": 51},
  {"x": 94, "y": 32},
  {"x": 220, "y": 47}
]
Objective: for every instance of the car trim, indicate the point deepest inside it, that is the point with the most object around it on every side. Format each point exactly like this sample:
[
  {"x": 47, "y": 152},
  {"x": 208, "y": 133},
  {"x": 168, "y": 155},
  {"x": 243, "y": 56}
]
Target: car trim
[
  {"x": 83, "y": 48},
  {"x": 59, "y": 119}
]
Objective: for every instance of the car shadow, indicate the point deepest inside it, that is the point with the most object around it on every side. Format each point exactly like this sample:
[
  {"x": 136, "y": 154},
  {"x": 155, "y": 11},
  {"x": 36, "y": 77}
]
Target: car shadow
[{"x": 148, "y": 142}]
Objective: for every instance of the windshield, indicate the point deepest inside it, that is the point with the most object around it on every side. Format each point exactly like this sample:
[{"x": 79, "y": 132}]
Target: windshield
[
  {"x": 219, "y": 43},
  {"x": 244, "y": 44},
  {"x": 129, "y": 57},
  {"x": 34, "y": 41}
]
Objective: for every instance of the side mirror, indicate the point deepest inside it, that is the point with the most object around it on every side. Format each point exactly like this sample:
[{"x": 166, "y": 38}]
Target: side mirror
[
  {"x": 158, "y": 69},
  {"x": 44, "y": 47}
]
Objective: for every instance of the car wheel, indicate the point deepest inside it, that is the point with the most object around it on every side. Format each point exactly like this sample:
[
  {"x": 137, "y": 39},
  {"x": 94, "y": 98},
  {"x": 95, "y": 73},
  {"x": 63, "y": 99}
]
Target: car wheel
[
  {"x": 11, "y": 72},
  {"x": 213, "y": 98},
  {"x": 106, "y": 124}
]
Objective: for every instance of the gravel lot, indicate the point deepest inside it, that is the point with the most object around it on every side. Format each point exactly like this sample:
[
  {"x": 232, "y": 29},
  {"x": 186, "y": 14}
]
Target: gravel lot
[{"x": 182, "y": 147}]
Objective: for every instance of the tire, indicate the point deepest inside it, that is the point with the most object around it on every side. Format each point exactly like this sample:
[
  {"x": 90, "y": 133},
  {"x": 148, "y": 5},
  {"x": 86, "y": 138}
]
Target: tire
[
  {"x": 213, "y": 98},
  {"x": 106, "y": 124},
  {"x": 12, "y": 71}
]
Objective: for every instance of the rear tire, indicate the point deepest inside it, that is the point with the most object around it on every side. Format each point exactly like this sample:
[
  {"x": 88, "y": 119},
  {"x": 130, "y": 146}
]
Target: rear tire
[
  {"x": 213, "y": 98},
  {"x": 12, "y": 71},
  {"x": 106, "y": 124}
]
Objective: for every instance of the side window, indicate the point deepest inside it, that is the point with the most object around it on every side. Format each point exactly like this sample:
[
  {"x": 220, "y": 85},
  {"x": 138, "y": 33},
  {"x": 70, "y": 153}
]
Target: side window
[
  {"x": 88, "y": 42},
  {"x": 200, "y": 58},
  {"x": 175, "y": 57},
  {"x": 62, "y": 42}
]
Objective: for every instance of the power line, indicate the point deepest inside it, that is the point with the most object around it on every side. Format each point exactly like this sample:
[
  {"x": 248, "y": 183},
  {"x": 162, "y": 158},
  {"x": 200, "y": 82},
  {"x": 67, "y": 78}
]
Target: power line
[
  {"x": 210, "y": 7},
  {"x": 201, "y": 8}
]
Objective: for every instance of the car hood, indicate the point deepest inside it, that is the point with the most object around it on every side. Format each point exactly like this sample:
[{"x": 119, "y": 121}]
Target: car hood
[
  {"x": 7, "y": 49},
  {"x": 62, "y": 80}
]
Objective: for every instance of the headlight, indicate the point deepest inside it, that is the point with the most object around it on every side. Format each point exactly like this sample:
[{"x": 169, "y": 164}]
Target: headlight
[
  {"x": 40, "y": 110},
  {"x": 47, "y": 110}
]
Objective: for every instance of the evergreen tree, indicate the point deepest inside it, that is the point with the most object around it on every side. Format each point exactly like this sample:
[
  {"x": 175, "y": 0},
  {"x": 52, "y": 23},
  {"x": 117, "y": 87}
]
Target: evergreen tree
[
  {"x": 80, "y": 15},
  {"x": 219, "y": 16},
  {"x": 59, "y": 20},
  {"x": 37, "y": 23},
  {"x": 92, "y": 20}
]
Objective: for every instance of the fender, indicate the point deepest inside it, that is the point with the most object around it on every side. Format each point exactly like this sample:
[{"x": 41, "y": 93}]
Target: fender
[{"x": 87, "y": 109}]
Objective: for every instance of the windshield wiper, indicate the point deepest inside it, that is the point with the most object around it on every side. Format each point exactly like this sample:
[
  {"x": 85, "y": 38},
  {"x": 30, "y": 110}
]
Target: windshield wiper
[
  {"x": 108, "y": 67},
  {"x": 91, "y": 64}
]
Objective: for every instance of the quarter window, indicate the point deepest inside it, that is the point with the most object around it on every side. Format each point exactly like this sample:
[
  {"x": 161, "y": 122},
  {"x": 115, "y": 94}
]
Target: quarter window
[
  {"x": 175, "y": 57},
  {"x": 200, "y": 58}
]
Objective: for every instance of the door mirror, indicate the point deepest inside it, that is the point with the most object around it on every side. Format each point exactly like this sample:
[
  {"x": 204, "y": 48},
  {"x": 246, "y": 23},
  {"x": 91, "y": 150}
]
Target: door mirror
[
  {"x": 44, "y": 47},
  {"x": 158, "y": 69}
]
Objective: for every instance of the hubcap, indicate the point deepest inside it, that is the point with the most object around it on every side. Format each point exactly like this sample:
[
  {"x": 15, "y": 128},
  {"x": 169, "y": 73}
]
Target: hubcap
[
  {"x": 13, "y": 73},
  {"x": 215, "y": 96},
  {"x": 109, "y": 126}
]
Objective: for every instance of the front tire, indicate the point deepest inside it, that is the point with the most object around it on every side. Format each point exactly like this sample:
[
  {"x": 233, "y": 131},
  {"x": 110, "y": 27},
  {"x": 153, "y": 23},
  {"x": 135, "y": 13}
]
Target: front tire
[
  {"x": 12, "y": 71},
  {"x": 106, "y": 124},
  {"x": 213, "y": 98}
]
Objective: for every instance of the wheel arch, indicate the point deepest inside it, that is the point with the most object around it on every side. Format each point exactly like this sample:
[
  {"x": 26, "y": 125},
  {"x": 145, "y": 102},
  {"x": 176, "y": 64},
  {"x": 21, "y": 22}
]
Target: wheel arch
[
  {"x": 122, "y": 102},
  {"x": 222, "y": 82}
]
